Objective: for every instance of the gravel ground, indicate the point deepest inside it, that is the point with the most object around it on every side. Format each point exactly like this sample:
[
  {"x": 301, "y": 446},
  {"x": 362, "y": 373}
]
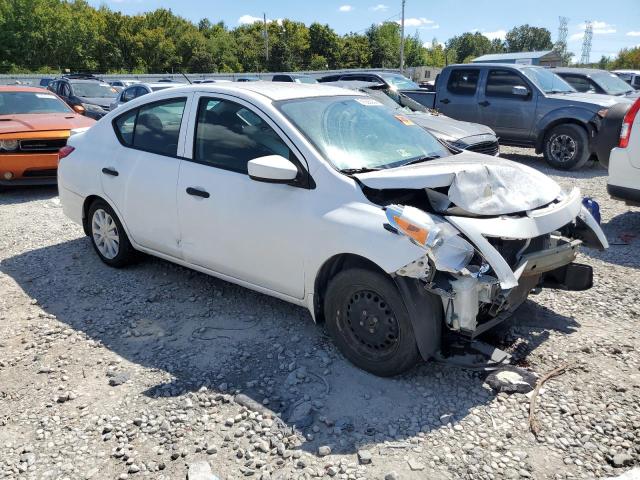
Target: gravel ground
[{"x": 113, "y": 374}]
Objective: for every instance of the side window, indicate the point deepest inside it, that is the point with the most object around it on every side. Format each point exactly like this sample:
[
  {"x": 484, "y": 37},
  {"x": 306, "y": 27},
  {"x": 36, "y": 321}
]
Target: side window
[
  {"x": 581, "y": 84},
  {"x": 636, "y": 81},
  {"x": 127, "y": 94},
  {"x": 125, "y": 125},
  {"x": 228, "y": 135},
  {"x": 53, "y": 86},
  {"x": 463, "y": 82},
  {"x": 500, "y": 83},
  {"x": 153, "y": 128},
  {"x": 138, "y": 92}
]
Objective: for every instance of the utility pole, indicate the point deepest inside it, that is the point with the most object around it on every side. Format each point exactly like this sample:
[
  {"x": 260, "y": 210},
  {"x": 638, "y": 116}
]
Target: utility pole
[
  {"x": 266, "y": 39},
  {"x": 402, "y": 39}
]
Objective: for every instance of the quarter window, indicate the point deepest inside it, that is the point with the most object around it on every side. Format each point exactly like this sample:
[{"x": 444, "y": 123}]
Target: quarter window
[
  {"x": 229, "y": 135},
  {"x": 500, "y": 83},
  {"x": 153, "y": 128},
  {"x": 463, "y": 82}
]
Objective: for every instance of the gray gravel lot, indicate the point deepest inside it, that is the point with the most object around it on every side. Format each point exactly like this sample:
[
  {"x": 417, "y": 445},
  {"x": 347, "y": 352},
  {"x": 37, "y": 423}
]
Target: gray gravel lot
[{"x": 133, "y": 373}]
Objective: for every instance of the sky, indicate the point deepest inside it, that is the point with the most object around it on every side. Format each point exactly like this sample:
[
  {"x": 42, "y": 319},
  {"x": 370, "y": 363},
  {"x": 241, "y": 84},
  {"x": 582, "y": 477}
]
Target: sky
[{"x": 613, "y": 28}]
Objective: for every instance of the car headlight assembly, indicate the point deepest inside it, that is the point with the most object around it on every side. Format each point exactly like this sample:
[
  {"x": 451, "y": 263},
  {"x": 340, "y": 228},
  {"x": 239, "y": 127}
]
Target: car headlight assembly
[
  {"x": 9, "y": 145},
  {"x": 449, "y": 251}
]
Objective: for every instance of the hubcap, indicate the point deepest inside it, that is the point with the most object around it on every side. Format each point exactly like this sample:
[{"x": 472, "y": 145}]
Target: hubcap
[
  {"x": 371, "y": 326},
  {"x": 563, "y": 148},
  {"x": 105, "y": 234}
]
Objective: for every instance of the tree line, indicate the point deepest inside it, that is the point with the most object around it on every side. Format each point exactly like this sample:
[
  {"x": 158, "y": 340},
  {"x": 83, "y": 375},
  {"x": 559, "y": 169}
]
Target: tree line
[{"x": 52, "y": 35}]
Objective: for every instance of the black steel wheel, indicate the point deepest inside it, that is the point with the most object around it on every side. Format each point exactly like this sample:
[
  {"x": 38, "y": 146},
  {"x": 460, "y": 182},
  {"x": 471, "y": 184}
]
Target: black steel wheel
[{"x": 369, "y": 322}]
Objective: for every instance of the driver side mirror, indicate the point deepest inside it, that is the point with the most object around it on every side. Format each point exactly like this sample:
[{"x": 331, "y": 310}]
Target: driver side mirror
[
  {"x": 520, "y": 91},
  {"x": 272, "y": 169}
]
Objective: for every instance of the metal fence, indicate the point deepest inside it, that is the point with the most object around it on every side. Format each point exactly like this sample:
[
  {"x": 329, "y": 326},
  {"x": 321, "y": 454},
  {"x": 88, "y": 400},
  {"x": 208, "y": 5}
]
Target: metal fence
[{"x": 34, "y": 79}]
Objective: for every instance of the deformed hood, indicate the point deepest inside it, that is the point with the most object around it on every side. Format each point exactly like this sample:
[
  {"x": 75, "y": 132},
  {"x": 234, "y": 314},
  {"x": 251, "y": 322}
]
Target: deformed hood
[{"x": 477, "y": 184}]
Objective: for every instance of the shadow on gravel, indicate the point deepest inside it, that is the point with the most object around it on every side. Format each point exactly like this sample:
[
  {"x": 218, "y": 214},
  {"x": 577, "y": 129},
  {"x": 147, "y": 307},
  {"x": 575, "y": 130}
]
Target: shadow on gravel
[
  {"x": 623, "y": 233},
  {"x": 12, "y": 195},
  {"x": 207, "y": 332}
]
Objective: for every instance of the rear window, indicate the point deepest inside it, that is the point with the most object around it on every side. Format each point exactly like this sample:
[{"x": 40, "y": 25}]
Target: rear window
[
  {"x": 154, "y": 127},
  {"x": 12, "y": 103},
  {"x": 463, "y": 82}
]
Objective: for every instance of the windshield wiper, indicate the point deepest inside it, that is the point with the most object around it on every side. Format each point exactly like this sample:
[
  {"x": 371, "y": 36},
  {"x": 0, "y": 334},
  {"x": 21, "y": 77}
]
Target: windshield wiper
[
  {"x": 426, "y": 158},
  {"x": 352, "y": 171}
]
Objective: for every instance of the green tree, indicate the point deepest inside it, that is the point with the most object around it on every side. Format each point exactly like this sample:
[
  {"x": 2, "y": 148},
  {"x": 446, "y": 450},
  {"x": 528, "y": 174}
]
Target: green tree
[
  {"x": 324, "y": 42},
  {"x": 356, "y": 51},
  {"x": 628, "y": 58},
  {"x": 526, "y": 38},
  {"x": 384, "y": 41},
  {"x": 467, "y": 46}
]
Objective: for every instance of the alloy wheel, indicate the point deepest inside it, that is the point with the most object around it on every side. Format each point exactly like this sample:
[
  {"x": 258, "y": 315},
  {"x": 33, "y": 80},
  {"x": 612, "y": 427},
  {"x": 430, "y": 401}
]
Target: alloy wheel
[{"x": 563, "y": 148}]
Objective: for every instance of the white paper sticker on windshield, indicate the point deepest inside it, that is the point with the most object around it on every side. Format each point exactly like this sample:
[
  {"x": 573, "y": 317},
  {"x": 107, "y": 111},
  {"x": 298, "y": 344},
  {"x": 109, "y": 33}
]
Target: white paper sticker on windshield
[
  {"x": 369, "y": 102},
  {"x": 44, "y": 95}
]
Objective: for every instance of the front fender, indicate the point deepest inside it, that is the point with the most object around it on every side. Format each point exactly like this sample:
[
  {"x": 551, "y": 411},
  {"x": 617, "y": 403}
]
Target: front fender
[
  {"x": 579, "y": 115},
  {"x": 358, "y": 228}
]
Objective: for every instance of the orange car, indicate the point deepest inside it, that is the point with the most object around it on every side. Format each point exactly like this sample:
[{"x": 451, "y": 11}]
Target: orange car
[{"x": 34, "y": 125}]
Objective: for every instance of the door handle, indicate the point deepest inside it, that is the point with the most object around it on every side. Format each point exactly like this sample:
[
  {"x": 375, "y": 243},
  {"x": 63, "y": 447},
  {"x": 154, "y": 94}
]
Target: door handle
[
  {"x": 110, "y": 171},
  {"x": 197, "y": 192},
  {"x": 445, "y": 101},
  {"x": 484, "y": 103}
]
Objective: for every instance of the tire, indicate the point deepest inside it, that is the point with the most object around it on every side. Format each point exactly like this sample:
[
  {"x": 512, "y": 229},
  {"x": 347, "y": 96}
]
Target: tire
[
  {"x": 385, "y": 345},
  {"x": 566, "y": 147},
  {"x": 108, "y": 237}
]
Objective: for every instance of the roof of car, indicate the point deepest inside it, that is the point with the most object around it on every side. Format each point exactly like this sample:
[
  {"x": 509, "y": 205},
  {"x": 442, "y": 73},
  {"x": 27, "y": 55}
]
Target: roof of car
[
  {"x": 276, "y": 90},
  {"x": 20, "y": 88},
  {"x": 585, "y": 71},
  {"x": 637, "y": 72},
  {"x": 494, "y": 64}
]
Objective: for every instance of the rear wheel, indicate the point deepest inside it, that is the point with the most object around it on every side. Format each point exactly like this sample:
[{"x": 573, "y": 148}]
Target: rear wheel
[
  {"x": 108, "y": 237},
  {"x": 566, "y": 147},
  {"x": 369, "y": 322}
]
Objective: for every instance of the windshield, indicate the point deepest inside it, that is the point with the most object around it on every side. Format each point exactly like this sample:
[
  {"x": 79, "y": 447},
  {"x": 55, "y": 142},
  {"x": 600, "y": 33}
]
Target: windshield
[
  {"x": 360, "y": 133},
  {"x": 30, "y": 102},
  {"x": 384, "y": 98},
  {"x": 547, "y": 81},
  {"x": 399, "y": 81},
  {"x": 94, "y": 90},
  {"x": 611, "y": 83},
  {"x": 304, "y": 80}
]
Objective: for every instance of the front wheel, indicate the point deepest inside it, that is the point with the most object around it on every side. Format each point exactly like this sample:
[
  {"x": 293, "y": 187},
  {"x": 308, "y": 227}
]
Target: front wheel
[
  {"x": 566, "y": 147},
  {"x": 369, "y": 322},
  {"x": 108, "y": 237}
]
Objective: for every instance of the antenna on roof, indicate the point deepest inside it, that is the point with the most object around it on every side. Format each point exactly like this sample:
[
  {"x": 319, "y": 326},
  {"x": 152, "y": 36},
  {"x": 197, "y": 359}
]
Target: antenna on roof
[{"x": 182, "y": 73}]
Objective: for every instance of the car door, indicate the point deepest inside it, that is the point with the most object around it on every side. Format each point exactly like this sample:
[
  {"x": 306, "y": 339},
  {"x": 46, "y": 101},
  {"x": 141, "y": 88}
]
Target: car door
[
  {"x": 510, "y": 116},
  {"x": 458, "y": 98},
  {"x": 139, "y": 177},
  {"x": 230, "y": 223}
]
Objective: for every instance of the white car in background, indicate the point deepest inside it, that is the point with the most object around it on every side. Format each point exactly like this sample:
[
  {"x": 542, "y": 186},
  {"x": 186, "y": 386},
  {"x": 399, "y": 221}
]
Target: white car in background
[
  {"x": 327, "y": 199},
  {"x": 138, "y": 90},
  {"x": 624, "y": 161}
]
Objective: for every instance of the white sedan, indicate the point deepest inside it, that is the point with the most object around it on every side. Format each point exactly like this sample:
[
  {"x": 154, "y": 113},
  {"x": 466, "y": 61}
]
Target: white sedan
[{"x": 325, "y": 198}]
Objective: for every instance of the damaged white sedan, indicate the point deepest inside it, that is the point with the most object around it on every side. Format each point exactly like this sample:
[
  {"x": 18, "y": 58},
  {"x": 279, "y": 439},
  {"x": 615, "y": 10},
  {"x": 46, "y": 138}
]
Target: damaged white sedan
[{"x": 325, "y": 198}]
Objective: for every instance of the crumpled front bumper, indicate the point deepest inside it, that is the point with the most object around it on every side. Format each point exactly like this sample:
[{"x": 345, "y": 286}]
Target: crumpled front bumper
[{"x": 535, "y": 223}]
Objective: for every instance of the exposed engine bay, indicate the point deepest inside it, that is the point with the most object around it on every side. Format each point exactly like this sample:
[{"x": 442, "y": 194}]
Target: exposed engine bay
[{"x": 492, "y": 233}]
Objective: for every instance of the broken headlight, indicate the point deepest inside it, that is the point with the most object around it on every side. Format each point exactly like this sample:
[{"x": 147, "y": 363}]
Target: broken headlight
[{"x": 448, "y": 251}]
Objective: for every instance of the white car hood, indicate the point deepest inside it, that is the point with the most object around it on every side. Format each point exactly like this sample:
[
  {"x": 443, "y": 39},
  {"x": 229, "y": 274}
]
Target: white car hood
[{"x": 478, "y": 184}]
